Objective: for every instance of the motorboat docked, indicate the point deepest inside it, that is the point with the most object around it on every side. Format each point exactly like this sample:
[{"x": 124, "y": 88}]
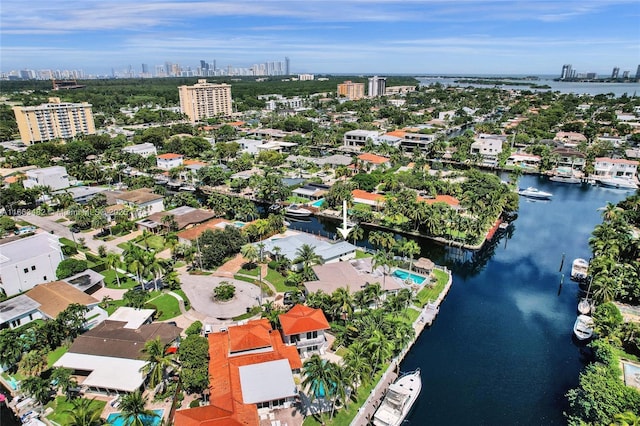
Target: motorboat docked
[
  {"x": 583, "y": 327},
  {"x": 399, "y": 399},
  {"x": 274, "y": 208},
  {"x": 584, "y": 306},
  {"x": 579, "y": 269},
  {"x": 189, "y": 188},
  {"x": 565, "y": 179},
  {"x": 296, "y": 211},
  {"x": 619, "y": 183},
  {"x": 535, "y": 193}
]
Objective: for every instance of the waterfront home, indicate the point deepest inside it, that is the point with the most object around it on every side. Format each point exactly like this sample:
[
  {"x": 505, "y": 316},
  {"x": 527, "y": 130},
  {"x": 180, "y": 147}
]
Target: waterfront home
[
  {"x": 18, "y": 311},
  {"x": 142, "y": 202},
  {"x": 488, "y": 147},
  {"x": 354, "y": 275},
  {"x": 373, "y": 161},
  {"x": 452, "y": 202},
  {"x": 114, "y": 346},
  {"x": 277, "y": 146},
  {"x": 311, "y": 192},
  {"x": 169, "y": 161},
  {"x": 329, "y": 251},
  {"x": 569, "y": 157},
  {"x": 605, "y": 167},
  {"x": 304, "y": 327},
  {"x": 146, "y": 149},
  {"x": 55, "y": 177},
  {"x": 184, "y": 217},
  {"x": 251, "y": 373},
  {"x": 368, "y": 198},
  {"x": 29, "y": 261},
  {"x": 524, "y": 160},
  {"x": 189, "y": 236}
]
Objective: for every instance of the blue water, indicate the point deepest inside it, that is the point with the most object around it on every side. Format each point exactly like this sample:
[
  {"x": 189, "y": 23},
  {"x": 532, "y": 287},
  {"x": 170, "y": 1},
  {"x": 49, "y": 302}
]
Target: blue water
[
  {"x": 318, "y": 203},
  {"x": 238, "y": 224},
  {"x": 403, "y": 275},
  {"x": 114, "y": 419}
]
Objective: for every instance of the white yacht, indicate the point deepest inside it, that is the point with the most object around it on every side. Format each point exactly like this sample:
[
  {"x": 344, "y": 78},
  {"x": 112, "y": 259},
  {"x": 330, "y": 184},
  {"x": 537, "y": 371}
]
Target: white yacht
[
  {"x": 619, "y": 183},
  {"x": 399, "y": 399},
  {"x": 579, "y": 269},
  {"x": 565, "y": 179},
  {"x": 583, "y": 327},
  {"x": 295, "y": 210},
  {"x": 535, "y": 193}
]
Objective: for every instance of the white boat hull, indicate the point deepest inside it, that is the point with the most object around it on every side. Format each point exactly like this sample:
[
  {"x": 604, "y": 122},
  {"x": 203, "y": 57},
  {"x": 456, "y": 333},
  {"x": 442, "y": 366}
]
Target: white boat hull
[
  {"x": 584, "y": 307},
  {"x": 618, "y": 183},
  {"x": 400, "y": 398},
  {"x": 535, "y": 194},
  {"x": 565, "y": 179},
  {"x": 583, "y": 327},
  {"x": 295, "y": 211},
  {"x": 579, "y": 269}
]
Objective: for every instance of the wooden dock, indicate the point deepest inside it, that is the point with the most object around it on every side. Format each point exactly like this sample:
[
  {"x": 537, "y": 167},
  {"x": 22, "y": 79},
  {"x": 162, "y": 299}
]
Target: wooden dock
[{"x": 426, "y": 318}]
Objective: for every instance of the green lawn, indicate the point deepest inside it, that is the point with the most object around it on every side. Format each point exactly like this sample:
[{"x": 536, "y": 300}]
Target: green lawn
[
  {"x": 275, "y": 278},
  {"x": 187, "y": 303},
  {"x": 61, "y": 220},
  {"x": 167, "y": 305},
  {"x": 155, "y": 242},
  {"x": 111, "y": 282},
  {"x": 362, "y": 254},
  {"x": 55, "y": 355},
  {"x": 253, "y": 272},
  {"x": 60, "y": 405},
  {"x": 113, "y": 305},
  {"x": 345, "y": 416},
  {"x": 432, "y": 293},
  {"x": 255, "y": 310}
]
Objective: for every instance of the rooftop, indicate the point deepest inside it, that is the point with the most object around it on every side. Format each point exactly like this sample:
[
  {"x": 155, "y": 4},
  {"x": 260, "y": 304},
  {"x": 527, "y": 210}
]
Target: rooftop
[
  {"x": 212, "y": 225},
  {"x": 266, "y": 381},
  {"x": 373, "y": 158},
  {"x": 303, "y": 319},
  {"x": 16, "y": 307},
  {"x": 26, "y": 248},
  {"x": 169, "y": 156},
  {"x": 326, "y": 250},
  {"x": 184, "y": 216},
  {"x": 132, "y": 317},
  {"x": 56, "y": 296},
  {"x": 354, "y": 275},
  {"x": 139, "y": 196},
  {"x": 102, "y": 368}
]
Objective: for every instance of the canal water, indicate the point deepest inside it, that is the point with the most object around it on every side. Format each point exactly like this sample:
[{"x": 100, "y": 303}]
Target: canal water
[{"x": 501, "y": 350}]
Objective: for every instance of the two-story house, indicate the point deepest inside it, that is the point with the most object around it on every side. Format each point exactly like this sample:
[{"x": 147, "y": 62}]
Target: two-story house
[
  {"x": 304, "y": 327},
  {"x": 169, "y": 161}
]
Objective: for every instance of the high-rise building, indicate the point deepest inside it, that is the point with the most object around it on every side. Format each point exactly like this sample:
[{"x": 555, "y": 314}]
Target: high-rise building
[
  {"x": 614, "y": 73},
  {"x": 638, "y": 73},
  {"x": 351, "y": 90},
  {"x": 204, "y": 100},
  {"x": 625, "y": 74},
  {"x": 566, "y": 72},
  {"x": 377, "y": 86},
  {"x": 287, "y": 63},
  {"x": 145, "y": 69},
  {"x": 54, "y": 120}
]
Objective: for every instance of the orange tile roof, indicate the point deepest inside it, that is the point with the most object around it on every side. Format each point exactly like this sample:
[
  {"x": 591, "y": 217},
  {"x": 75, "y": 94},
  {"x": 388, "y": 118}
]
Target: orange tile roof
[
  {"x": 236, "y": 123},
  {"x": 193, "y": 233},
  {"x": 226, "y": 402},
  {"x": 194, "y": 163},
  {"x": 359, "y": 193},
  {"x": 302, "y": 319},
  {"x": 253, "y": 335},
  {"x": 615, "y": 161},
  {"x": 373, "y": 158},
  {"x": 12, "y": 179},
  {"x": 169, "y": 156},
  {"x": 397, "y": 133},
  {"x": 447, "y": 199}
]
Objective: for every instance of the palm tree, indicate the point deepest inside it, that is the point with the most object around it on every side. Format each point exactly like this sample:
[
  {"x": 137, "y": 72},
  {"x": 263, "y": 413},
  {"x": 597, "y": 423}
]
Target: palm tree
[
  {"x": 83, "y": 412},
  {"x": 112, "y": 261},
  {"x": 33, "y": 363},
  {"x": 133, "y": 411},
  {"x": 356, "y": 233},
  {"x": 342, "y": 301},
  {"x": 307, "y": 257},
  {"x": 156, "y": 267},
  {"x": 384, "y": 259},
  {"x": 411, "y": 248},
  {"x": 380, "y": 348},
  {"x": 159, "y": 362},
  {"x": 249, "y": 252},
  {"x": 628, "y": 418},
  {"x": 357, "y": 362},
  {"x": 10, "y": 352},
  {"x": 37, "y": 387}
]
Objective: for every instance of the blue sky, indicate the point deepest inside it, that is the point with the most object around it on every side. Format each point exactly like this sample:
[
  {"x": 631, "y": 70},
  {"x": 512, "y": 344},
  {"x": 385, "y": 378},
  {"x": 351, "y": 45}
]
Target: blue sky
[{"x": 345, "y": 36}]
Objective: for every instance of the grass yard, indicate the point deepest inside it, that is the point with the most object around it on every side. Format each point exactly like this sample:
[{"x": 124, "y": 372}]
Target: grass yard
[
  {"x": 61, "y": 405},
  {"x": 167, "y": 306},
  {"x": 61, "y": 220},
  {"x": 114, "y": 305},
  {"x": 111, "y": 282},
  {"x": 252, "y": 272},
  {"x": 275, "y": 278},
  {"x": 361, "y": 254},
  {"x": 155, "y": 242},
  {"x": 187, "y": 303},
  {"x": 432, "y": 292},
  {"x": 255, "y": 310},
  {"x": 55, "y": 355}
]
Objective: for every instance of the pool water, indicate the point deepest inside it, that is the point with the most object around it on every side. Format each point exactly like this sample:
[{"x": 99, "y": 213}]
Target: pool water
[
  {"x": 114, "y": 419},
  {"x": 318, "y": 203},
  {"x": 403, "y": 275},
  {"x": 238, "y": 224}
]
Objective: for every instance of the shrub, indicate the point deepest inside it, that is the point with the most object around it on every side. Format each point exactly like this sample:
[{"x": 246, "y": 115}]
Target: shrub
[
  {"x": 194, "y": 328},
  {"x": 69, "y": 267},
  {"x": 225, "y": 291},
  {"x": 194, "y": 403},
  {"x": 273, "y": 265}
]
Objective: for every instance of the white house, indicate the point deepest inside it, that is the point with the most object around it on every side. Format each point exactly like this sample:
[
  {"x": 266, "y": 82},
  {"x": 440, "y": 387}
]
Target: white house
[
  {"x": 18, "y": 311},
  {"x": 169, "y": 161},
  {"x": 615, "y": 167},
  {"x": 489, "y": 148},
  {"x": 29, "y": 261},
  {"x": 55, "y": 177},
  {"x": 143, "y": 201},
  {"x": 145, "y": 149},
  {"x": 329, "y": 252},
  {"x": 304, "y": 327},
  {"x": 356, "y": 138},
  {"x": 249, "y": 146}
]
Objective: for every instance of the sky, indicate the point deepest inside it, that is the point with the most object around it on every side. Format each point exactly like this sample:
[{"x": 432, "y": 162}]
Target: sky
[{"x": 415, "y": 37}]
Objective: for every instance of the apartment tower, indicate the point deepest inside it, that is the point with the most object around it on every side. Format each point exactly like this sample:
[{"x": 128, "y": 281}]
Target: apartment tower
[
  {"x": 351, "y": 90},
  {"x": 54, "y": 120},
  {"x": 204, "y": 100},
  {"x": 377, "y": 86}
]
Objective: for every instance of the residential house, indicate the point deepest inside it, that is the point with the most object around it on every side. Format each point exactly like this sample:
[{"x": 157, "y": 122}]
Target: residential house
[
  {"x": 358, "y": 138},
  {"x": 304, "y": 327},
  {"x": 615, "y": 167},
  {"x": 142, "y": 202},
  {"x": 18, "y": 311},
  {"x": 570, "y": 139},
  {"x": 277, "y": 146},
  {"x": 329, "y": 252},
  {"x": 169, "y": 161},
  {"x": 251, "y": 374},
  {"x": 184, "y": 216},
  {"x": 569, "y": 157},
  {"x": 524, "y": 160},
  {"x": 146, "y": 149},
  {"x": 29, "y": 261},
  {"x": 311, "y": 192},
  {"x": 87, "y": 281},
  {"x": 82, "y": 194},
  {"x": 411, "y": 141},
  {"x": 488, "y": 147},
  {"x": 55, "y": 177},
  {"x": 368, "y": 198},
  {"x": 373, "y": 162},
  {"x": 190, "y": 235}
]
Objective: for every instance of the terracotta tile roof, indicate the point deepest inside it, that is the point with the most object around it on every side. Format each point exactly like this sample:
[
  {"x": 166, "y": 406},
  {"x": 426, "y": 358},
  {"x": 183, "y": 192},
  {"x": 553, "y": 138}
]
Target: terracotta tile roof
[
  {"x": 397, "y": 133},
  {"x": 373, "y": 158},
  {"x": 12, "y": 179},
  {"x": 56, "y": 296},
  {"x": 139, "y": 196},
  {"x": 302, "y": 319},
  {"x": 615, "y": 161},
  {"x": 226, "y": 402},
  {"x": 236, "y": 123},
  {"x": 194, "y": 163},
  {"x": 189, "y": 218},
  {"x": 447, "y": 199},
  {"x": 193, "y": 233},
  {"x": 359, "y": 193},
  {"x": 169, "y": 156},
  {"x": 253, "y": 335}
]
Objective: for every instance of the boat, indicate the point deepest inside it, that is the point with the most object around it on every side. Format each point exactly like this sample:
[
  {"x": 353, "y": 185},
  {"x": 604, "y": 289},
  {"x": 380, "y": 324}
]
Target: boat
[
  {"x": 296, "y": 211},
  {"x": 583, "y": 327},
  {"x": 584, "y": 307},
  {"x": 579, "y": 269},
  {"x": 618, "y": 183},
  {"x": 189, "y": 188},
  {"x": 535, "y": 193},
  {"x": 565, "y": 179},
  {"x": 274, "y": 208},
  {"x": 399, "y": 400}
]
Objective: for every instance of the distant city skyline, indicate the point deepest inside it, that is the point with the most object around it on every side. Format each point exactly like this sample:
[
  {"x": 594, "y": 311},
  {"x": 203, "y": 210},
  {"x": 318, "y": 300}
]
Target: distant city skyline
[{"x": 329, "y": 36}]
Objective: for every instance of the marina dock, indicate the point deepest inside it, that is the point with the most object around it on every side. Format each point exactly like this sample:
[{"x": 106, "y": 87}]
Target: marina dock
[{"x": 426, "y": 318}]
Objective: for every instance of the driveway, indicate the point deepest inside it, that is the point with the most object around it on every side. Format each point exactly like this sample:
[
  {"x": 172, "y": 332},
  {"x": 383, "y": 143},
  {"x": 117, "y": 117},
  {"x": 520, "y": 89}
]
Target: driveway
[{"x": 199, "y": 290}]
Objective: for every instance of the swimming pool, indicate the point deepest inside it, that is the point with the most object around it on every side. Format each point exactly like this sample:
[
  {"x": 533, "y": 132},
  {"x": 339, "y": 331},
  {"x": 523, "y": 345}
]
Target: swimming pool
[
  {"x": 238, "y": 224},
  {"x": 318, "y": 203},
  {"x": 114, "y": 419},
  {"x": 404, "y": 275}
]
